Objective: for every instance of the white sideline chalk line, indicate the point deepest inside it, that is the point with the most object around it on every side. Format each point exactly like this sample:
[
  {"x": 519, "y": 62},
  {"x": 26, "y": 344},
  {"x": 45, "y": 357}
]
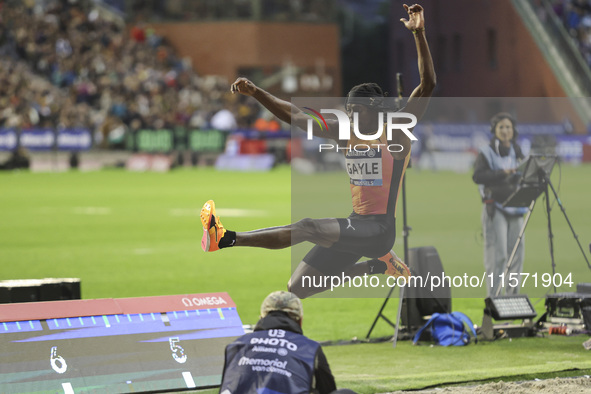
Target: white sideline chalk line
[
  {"x": 223, "y": 212},
  {"x": 143, "y": 251},
  {"x": 92, "y": 210}
]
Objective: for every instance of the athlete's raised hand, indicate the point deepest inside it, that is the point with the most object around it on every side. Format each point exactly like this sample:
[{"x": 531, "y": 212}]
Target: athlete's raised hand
[
  {"x": 243, "y": 86},
  {"x": 416, "y": 19},
  {"x": 282, "y": 109}
]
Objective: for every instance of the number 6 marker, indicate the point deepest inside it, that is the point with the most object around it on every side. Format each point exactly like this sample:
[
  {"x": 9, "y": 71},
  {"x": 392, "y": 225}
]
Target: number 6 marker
[{"x": 58, "y": 364}]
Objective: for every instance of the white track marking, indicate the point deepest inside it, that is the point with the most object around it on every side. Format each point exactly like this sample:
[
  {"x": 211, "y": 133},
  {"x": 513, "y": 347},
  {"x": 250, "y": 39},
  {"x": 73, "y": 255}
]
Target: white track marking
[
  {"x": 222, "y": 212},
  {"x": 92, "y": 210}
]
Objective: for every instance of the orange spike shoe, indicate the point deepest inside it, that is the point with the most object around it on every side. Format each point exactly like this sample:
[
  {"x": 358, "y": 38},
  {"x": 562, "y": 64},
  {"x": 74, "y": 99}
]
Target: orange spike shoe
[
  {"x": 213, "y": 230},
  {"x": 395, "y": 266}
]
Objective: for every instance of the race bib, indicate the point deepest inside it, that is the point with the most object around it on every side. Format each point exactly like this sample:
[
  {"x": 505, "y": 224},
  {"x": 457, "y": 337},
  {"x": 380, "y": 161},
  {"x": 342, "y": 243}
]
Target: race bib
[{"x": 365, "y": 168}]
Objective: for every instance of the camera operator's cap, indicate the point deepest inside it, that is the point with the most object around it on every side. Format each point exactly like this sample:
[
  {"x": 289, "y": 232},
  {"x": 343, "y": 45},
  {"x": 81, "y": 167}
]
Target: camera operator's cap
[{"x": 285, "y": 302}]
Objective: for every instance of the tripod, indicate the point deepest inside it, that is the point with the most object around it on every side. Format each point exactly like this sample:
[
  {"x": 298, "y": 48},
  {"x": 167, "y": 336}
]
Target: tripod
[
  {"x": 405, "y": 233},
  {"x": 544, "y": 186}
]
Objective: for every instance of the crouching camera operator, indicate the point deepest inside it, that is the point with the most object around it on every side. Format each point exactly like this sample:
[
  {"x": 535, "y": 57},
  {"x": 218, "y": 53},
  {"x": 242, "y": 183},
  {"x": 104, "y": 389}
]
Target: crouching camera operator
[{"x": 277, "y": 358}]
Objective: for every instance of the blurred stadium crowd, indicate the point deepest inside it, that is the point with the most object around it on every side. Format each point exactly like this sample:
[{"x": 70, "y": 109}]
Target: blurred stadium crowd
[
  {"x": 576, "y": 18},
  {"x": 65, "y": 66},
  {"x": 197, "y": 10}
]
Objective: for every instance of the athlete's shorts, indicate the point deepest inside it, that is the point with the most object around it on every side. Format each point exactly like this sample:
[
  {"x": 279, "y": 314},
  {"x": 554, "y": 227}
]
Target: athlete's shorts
[{"x": 361, "y": 236}]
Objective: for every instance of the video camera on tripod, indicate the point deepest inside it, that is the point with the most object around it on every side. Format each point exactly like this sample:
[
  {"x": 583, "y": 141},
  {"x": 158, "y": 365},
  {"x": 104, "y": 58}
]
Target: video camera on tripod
[
  {"x": 533, "y": 179},
  {"x": 532, "y": 176}
]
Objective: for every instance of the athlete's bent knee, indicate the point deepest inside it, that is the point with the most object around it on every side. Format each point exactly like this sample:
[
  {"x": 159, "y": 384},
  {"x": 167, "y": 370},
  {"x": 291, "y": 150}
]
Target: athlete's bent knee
[
  {"x": 305, "y": 224},
  {"x": 306, "y": 229}
]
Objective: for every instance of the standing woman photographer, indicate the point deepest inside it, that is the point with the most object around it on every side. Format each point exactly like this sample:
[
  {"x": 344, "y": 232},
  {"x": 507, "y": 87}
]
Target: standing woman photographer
[{"x": 495, "y": 174}]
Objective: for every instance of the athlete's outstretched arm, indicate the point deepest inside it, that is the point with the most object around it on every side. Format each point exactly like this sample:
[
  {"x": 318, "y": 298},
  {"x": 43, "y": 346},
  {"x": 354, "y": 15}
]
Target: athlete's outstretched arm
[
  {"x": 284, "y": 110},
  {"x": 419, "y": 99},
  {"x": 280, "y": 108}
]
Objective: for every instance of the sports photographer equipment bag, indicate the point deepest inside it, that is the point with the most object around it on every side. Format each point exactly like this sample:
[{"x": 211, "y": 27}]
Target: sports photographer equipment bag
[{"x": 448, "y": 329}]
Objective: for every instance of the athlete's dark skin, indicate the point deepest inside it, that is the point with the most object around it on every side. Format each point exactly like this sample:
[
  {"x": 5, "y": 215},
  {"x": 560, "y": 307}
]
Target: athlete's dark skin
[{"x": 325, "y": 232}]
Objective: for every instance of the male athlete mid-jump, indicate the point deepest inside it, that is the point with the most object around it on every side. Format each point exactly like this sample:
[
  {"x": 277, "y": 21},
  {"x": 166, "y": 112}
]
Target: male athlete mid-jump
[{"x": 370, "y": 230}]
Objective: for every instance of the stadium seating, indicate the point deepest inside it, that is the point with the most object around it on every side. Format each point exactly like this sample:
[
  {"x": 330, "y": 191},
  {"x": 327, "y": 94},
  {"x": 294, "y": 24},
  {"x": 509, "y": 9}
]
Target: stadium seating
[
  {"x": 576, "y": 17},
  {"x": 65, "y": 66}
]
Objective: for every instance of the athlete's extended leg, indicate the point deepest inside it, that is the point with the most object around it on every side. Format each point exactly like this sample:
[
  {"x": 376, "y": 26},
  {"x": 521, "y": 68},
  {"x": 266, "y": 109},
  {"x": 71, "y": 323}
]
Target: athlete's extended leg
[
  {"x": 324, "y": 232},
  {"x": 306, "y": 281},
  {"x": 324, "y": 269},
  {"x": 389, "y": 264}
]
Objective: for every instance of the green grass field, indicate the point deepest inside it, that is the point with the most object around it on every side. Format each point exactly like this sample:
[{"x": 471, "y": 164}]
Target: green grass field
[{"x": 138, "y": 234}]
